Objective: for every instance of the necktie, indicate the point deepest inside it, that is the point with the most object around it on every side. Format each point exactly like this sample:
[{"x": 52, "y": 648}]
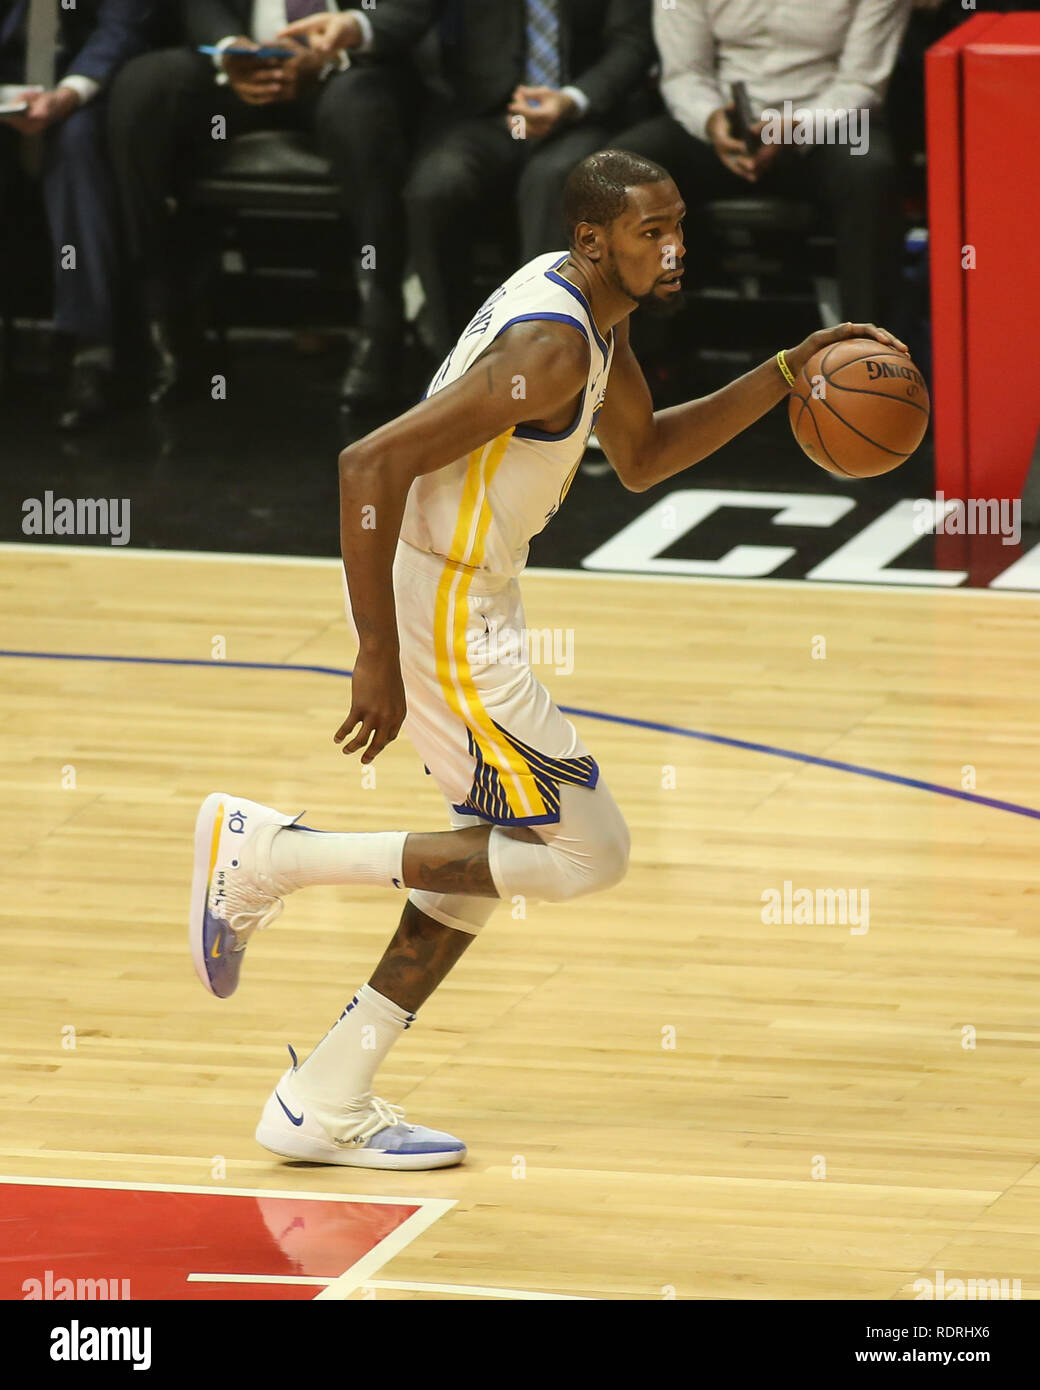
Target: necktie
[
  {"x": 300, "y": 9},
  {"x": 41, "y": 43},
  {"x": 544, "y": 59}
]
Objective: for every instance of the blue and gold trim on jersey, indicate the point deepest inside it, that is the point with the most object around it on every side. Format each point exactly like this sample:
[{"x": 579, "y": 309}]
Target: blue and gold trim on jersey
[
  {"x": 487, "y": 797},
  {"x": 557, "y": 279}
]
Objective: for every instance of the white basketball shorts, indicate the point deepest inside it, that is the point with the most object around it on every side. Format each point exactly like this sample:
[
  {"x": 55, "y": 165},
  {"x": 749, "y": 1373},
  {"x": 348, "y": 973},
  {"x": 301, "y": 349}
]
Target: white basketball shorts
[{"x": 485, "y": 727}]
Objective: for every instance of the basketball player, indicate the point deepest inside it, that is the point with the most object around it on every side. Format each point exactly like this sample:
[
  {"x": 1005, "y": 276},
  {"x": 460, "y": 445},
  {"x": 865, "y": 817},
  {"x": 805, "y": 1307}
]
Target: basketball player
[{"x": 437, "y": 509}]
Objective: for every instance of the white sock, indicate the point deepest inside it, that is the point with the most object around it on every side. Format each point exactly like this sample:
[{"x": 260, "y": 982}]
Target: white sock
[
  {"x": 337, "y": 1077},
  {"x": 301, "y": 858}
]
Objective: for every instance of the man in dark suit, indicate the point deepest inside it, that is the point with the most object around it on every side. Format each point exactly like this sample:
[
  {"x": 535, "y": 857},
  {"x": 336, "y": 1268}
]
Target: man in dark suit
[
  {"x": 534, "y": 87},
  {"x": 162, "y": 120},
  {"x": 61, "y": 135}
]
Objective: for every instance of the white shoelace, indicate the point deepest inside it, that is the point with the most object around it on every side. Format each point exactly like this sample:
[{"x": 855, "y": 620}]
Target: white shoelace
[
  {"x": 248, "y": 910},
  {"x": 384, "y": 1116},
  {"x": 248, "y": 906}
]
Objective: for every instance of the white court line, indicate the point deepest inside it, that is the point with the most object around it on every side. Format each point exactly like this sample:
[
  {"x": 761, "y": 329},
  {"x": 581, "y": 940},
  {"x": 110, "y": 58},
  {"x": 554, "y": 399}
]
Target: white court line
[
  {"x": 473, "y": 1290},
  {"x": 388, "y": 1247},
  {"x": 476, "y": 1290},
  {"x": 315, "y": 1279},
  {"x": 201, "y": 556},
  {"x": 441, "y": 1204},
  {"x": 611, "y": 576},
  {"x": 98, "y": 1156}
]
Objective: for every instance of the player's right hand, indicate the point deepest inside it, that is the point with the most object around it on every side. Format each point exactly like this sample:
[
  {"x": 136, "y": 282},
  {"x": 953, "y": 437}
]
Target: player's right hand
[{"x": 377, "y": 703}]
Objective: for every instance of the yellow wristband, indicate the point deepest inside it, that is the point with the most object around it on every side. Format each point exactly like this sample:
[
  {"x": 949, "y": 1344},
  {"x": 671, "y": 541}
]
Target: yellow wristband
[{"x": 781, "y": 362}]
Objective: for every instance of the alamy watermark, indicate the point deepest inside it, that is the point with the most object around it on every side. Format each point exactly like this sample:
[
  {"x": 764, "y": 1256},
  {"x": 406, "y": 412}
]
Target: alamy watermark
[
  {"x": 61, "y": 1287},
  {"x": 522, "y": 647},
  {"x": 978, "y": 516},
  {"x": 817, "y": 906},
  {"x": 77, "y": 516},
  {"x": 942, "y": 1289},
  {"x": 80, "y": 1342},
  {"x": 817, "y": 126}
]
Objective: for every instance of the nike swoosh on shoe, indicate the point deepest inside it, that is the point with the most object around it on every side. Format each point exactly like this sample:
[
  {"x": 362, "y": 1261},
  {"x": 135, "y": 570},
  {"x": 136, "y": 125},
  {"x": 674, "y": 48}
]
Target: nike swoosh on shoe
[{"x": 290, "y": 1114}]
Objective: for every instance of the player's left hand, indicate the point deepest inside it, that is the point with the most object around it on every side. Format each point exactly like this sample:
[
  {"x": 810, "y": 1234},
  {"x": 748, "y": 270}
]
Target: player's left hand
[
  {"x": 543, "y": 108},
  {"x": 797, "y": 357},
  {"x": 45, "y": 109}
]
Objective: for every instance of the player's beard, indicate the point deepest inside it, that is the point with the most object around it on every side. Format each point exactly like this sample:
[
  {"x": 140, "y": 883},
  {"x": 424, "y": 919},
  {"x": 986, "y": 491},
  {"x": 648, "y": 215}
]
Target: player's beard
[{"x": 658, "y": 306}]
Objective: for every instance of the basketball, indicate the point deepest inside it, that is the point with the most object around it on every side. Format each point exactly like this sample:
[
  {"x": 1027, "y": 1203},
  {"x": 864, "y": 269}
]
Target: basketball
[{"x": 858, "y": 408}]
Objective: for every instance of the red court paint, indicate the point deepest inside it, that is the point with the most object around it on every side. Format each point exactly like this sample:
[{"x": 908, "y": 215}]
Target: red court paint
[{"x": 154, "y": 1238}]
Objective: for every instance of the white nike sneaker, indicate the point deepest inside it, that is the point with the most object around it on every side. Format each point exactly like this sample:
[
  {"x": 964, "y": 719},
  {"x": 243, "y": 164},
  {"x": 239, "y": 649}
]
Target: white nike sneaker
[
  {"x": 233, "y": 892},
  {"x": 381, "y": 1139}
]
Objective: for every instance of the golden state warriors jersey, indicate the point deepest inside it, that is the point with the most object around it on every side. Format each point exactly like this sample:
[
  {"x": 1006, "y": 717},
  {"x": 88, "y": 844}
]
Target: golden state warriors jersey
[{"x": 482, "y": 510}]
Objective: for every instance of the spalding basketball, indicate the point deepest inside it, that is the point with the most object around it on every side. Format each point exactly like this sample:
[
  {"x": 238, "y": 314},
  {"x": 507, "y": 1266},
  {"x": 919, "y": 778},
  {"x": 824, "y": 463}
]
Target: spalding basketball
[{"x": 859, "y": 408}]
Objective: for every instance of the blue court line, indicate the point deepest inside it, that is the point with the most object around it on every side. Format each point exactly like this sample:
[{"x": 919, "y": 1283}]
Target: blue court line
[{"x": 651, "y": 724}]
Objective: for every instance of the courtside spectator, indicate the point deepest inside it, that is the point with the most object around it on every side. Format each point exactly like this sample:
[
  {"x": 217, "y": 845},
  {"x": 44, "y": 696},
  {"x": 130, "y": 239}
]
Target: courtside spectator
[
  {"x": 161, "y": 130},
  {"x": 536, "y": 85},
  {"x": 72, "y": 53},
  {"x": 822, "y": 58}
]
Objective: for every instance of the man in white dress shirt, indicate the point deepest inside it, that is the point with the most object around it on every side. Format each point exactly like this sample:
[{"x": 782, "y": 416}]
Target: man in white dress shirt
[{"x": 821, "y": 59}]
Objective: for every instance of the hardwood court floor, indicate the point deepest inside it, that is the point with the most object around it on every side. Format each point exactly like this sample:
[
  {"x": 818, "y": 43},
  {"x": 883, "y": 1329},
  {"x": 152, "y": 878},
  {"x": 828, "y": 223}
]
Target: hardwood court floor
[{"x": 603, "y": 1162}]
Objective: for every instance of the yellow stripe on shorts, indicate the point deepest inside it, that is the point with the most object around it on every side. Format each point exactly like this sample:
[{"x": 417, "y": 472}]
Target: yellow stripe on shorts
[{"x": 450, "y": 620}]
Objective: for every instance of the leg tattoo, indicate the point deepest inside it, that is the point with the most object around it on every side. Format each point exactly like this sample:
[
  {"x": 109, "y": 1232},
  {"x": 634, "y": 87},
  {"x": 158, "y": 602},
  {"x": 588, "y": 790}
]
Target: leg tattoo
[{"x": 418, "y": 958}]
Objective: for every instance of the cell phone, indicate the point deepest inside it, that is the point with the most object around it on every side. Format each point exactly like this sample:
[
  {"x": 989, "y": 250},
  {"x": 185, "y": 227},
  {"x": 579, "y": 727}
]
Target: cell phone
[
  {"x": 13, "y": 98},
  {"x": 237, "y": 50},
  {"x": 743, "y": 116}
]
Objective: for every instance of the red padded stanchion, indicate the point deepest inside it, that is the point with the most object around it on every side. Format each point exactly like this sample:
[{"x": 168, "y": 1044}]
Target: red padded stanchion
[
  {"x": 1002, "y": 221},
  {"x": 943, "y": 112}
]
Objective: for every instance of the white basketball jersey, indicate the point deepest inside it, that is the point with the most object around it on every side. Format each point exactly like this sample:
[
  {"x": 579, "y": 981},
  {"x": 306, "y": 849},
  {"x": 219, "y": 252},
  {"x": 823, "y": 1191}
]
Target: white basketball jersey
[{"x": 482, "y": 510}]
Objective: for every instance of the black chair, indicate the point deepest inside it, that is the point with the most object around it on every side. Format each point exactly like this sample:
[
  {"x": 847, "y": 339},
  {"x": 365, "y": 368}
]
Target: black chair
[
  {"x": 26, "y": 272},
  {"x": 773, "y": 264},
  {"x": 281, "y": 226},
  {"x": 269, "y": 170}
]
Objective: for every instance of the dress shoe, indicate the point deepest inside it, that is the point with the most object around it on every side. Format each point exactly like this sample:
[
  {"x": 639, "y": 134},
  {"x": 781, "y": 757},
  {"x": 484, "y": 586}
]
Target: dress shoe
[
  {"x": 374, "y": 375},
  {"x": 89, "y": 397},
  {"x": 179, "y": 355},
  {"x": 169, "y": 370}
]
